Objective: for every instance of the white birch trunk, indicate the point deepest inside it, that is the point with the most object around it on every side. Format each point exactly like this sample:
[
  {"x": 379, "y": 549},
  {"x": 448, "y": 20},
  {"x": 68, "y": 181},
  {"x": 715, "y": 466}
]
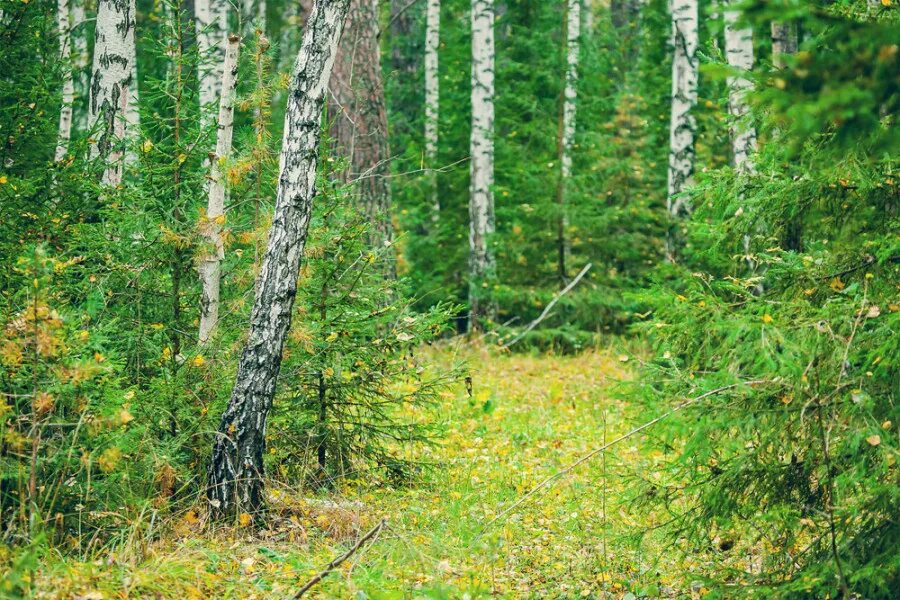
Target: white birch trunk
[
  {"x": 235, "y": 479},
  {"x": 132, "y": 112},
  {"x": 739, "y": 53},
  {"x": 432, "y": 97},
  {"x": 211, "y": 262},
  {"x": 683, "y": 123},
  {"x": 111, "y": 82},
  {"x": 567, "y": 129},
  {"x": 212, "y": 27},
  {"x": 78, "y": 41},
  {"x": 481, "y": 171},
  {"x": 68, "y": 92},
  {"x": 784, "y": 42}
]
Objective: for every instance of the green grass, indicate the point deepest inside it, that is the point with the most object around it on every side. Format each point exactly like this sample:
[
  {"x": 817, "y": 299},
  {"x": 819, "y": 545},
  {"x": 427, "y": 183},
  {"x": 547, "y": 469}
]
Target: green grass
[{"x": 527, "y": 418}]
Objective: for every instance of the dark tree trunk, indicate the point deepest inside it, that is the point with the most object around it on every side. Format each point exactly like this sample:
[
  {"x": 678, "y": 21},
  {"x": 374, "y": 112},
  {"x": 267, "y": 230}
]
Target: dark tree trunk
[
  {"x": 360, "y": 120},
  {"x": 235, "y": 481}
]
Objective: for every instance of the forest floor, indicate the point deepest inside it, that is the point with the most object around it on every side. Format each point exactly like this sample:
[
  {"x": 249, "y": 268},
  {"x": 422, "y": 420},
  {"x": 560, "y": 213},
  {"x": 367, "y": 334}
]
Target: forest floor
[{"x": 527, "y": 418}]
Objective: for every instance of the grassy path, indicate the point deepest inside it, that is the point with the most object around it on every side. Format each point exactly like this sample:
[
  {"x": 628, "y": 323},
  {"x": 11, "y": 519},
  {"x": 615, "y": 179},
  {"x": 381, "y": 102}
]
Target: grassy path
[{"x": 527, "y": 418}]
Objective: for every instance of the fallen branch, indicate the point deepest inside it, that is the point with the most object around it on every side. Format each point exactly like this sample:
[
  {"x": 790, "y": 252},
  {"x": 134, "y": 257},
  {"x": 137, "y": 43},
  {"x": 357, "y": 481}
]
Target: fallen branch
[
  {"x": 337, "y": 561},
  {"x": 550, "y": 305},
  {"x": 597, "y": 451}
]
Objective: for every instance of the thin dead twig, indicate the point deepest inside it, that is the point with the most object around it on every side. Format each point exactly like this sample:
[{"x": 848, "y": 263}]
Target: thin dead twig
[
  {"x": 337, "y": 561},
  {"x": 546, "y": 482}
]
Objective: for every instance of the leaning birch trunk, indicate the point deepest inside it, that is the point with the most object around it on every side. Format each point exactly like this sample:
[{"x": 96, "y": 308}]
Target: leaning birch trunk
[
  {"x": 360, "y": 122},
  {"x": 567, "y": 134},
  {"x": 212, "y": 25},
  {"x": 211, "y": 262},
  {"x": 235, "y": 481},
  {"x": 68, "y": 91},
  {"x": 739, "y": 53},
  {"x": 683, "y": 123},
  {"x": 481, "y": 168},
  {"x": 432, "y": 99},
  {"x": 784, "y": 42},
  {"x": 111, "y": 83}
]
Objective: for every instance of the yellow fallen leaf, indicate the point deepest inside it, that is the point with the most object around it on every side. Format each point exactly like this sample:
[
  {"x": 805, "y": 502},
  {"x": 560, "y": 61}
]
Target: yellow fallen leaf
[
  {"x": 244, "y": 519},
  {"x": 874, "y": 439}
]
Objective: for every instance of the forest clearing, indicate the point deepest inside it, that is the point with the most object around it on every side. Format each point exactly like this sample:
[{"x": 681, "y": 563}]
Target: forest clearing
[{"x": 449, "y": 299}]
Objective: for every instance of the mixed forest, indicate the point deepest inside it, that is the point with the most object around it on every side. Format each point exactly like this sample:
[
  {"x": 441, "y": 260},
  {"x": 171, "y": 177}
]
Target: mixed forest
[{"x": 449, "y": 299}]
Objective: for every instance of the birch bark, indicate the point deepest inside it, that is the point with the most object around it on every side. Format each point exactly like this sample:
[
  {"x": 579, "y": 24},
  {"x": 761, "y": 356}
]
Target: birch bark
[
  {"x": 432, "y": 99},
  {"x": 111, "y": 83},
  {"x": 235, "y": 481},
  {"x": 212, "y": 25},
  {"x": 481, "y": 168},
  {"x": 739, "y": 53},
  {"x": 682, "y": 124},
  {"x": 784, "y": 42},
  {"x": 360, "y": 119},
  {"x": 210, "y": 265},
  {"x": 64, "y": 29},
  {"x": 567, "y": 133}
]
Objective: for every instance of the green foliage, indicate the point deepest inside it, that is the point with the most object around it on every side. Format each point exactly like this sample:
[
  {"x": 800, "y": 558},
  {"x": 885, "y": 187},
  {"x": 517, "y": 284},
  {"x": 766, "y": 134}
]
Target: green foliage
[
  {"x": 800, "y": 467},
  {"x": 357, "y": 385}
]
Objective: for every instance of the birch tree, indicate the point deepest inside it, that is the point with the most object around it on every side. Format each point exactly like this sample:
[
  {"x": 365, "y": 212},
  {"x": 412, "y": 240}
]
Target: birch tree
[
  {"x": 63, "y": 25},
  {"x": 567, "y": 132},
  {"x": 784, "y": 42},
  {"x": 111, "y": 81},
  {"x": 481, "y": 166},
  {"x": 360, "y": 119},
  {"x": 683, "y": 123},
  {"x": 210, "y": 265},
  {"x": 432, "y": 98},
  {"x": 235, "y": 474},
  {"x": 212, "y": 25},
  {"x": 739, "y": 53}
]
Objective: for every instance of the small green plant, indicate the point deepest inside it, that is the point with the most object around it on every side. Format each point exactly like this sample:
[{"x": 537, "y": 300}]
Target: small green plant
[{"x": 356, "y": 386}]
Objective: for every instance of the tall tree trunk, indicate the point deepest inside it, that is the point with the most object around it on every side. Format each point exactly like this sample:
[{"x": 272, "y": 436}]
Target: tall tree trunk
[
  {"x": 481, "y": 168},
  {"x": 360, "y": 119},
  {"x": 210, "y": 265},
  {"x": 235, "y": 473},
  {"x": 683, "y": 123},
  {"x": 78, "y": 40},
  {"x": 739, "y": 53},
  {"x": 567, "y": 133},
  {"x": 111, "y": 83},
  {"x": 784, "y": 42},
  {"x": 212, "y": 27},
  {"x": 68, "y": 91},
  {"x": 432, "y": 99}
]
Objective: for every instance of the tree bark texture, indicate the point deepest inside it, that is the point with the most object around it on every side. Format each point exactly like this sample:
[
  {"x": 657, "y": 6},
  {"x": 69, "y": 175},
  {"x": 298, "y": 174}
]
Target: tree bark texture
[
  {"x": 432, "y": 98},
  {"x": 683, "y": 123},
  {"x": 64, "y": 29},
  {"x": 111, "y": 83},
  {"x": 739, "y": 53},
  {"x": 211, "y": 262},
  {"x": 212, "y": 28},
  {"x": 567, "y": 132},
  {"x": 784, "y": 42},
  {"x": 481, "y": 166},
  {"x": 359, "y": 118},
  {"x": 235, "y": 481}
]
